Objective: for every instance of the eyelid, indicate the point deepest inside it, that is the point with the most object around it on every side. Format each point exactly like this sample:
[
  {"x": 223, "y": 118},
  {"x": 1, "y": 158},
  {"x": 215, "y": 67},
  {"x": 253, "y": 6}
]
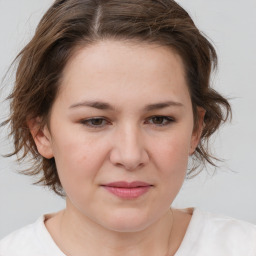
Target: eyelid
[
  {"x": 86, "y": 122},
  {"x": 168, "y": 120}
]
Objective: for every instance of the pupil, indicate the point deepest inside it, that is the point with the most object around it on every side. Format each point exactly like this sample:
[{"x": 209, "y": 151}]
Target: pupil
[
  {"x": 158, "y": 120},
  {"x": 97, "y": 121}
]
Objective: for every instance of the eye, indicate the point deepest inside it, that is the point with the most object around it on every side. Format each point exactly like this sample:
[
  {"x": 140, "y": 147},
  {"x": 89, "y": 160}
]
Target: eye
[
  {"x": 96, "y": 122},
  {"x": 160, "y": 120}
]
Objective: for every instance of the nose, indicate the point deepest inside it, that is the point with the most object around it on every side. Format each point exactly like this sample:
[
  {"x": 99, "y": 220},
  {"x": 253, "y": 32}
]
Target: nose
[{"x": 128, "y": 149}]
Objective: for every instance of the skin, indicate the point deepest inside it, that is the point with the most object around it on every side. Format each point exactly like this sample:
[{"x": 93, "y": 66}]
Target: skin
[{"x": 125, "y": 143}]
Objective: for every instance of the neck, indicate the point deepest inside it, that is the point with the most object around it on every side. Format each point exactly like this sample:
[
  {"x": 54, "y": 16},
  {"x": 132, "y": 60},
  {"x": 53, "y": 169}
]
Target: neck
[{"x": 79, "y": 235}]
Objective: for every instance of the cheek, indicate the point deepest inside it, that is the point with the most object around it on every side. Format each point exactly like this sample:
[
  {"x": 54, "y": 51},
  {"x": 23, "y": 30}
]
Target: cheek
[
  {"x": 171, "y": 156},
  {"x": 174, "y": 148},
  {"x": 77, "y": 157},
  {"x": 174, "y": 161}
]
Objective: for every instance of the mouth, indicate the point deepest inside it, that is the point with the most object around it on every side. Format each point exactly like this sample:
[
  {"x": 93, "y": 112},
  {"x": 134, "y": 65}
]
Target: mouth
[{"x": 128, "y": 190}]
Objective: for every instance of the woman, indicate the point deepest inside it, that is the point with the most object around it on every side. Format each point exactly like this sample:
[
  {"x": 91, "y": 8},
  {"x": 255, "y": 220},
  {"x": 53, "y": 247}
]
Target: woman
[{"x": 111, "y": 99}]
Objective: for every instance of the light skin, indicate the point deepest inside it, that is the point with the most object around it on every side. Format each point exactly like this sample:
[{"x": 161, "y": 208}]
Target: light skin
[{"x": 123, "y": 113}]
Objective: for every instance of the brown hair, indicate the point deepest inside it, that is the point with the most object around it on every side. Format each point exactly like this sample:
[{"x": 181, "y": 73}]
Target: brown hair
[{"x": 69, "y": 24}]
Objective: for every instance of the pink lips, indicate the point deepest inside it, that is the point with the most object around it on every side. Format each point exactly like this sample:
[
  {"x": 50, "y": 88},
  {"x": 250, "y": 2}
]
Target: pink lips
[{"x": 127, "y": 190}]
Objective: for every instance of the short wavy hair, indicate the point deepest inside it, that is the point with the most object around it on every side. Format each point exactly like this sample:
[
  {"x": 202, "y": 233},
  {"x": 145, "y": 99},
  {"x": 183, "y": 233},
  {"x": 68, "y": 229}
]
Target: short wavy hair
[{"x": 69, "y": 24}]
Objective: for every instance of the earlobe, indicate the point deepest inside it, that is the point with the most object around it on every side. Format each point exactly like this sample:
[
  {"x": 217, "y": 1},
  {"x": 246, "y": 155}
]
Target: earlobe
[
  {"x": 41, "y": 136},
  {"x": 196, "y": 136}
]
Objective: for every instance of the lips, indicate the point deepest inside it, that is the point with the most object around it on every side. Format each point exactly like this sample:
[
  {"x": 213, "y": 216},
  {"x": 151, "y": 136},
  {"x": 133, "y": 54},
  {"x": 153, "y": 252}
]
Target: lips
[{"x": 127, "y": 190}]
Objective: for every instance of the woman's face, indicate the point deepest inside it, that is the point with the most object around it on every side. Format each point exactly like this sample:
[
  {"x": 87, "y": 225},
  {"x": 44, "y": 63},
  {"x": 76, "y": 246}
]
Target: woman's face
[{"x": 121, "y": 131}]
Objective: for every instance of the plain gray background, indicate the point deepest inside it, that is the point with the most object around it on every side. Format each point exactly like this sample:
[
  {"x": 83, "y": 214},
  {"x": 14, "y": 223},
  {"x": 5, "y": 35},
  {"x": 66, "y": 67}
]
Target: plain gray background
[{"x": 232, "y": 190}]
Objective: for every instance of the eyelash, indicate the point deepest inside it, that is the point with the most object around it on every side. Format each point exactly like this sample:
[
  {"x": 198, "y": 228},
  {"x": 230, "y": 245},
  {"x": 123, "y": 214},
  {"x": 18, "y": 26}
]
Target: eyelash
[
  {"x": 88, "y": 122},
  {"x": 168, "y": 120}
]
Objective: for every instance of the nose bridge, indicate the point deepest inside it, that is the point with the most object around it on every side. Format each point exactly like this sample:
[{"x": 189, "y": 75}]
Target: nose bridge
[
  {"x": 129, "y": 149},
  {"x": 131, "y": 137}
]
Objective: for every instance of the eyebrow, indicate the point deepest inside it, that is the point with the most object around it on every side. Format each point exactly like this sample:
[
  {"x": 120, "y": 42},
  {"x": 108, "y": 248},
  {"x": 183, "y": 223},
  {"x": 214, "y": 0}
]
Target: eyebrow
[
  {"x": 162, "y": 105},
  {"x": 93, "y": 104},
  {"x": 106, "y": 106}
]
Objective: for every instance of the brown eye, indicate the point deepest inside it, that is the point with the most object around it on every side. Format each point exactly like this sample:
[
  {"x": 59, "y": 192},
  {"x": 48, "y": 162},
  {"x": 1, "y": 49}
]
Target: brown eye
[
  {"x": 160, "y": 120},
  {"x": 95, "y": 122}
]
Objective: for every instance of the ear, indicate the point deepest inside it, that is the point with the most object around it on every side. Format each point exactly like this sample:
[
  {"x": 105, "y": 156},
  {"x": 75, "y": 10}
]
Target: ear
[
  {"x": 197, "y": 132},
  {"x": 41, "y": 136}
]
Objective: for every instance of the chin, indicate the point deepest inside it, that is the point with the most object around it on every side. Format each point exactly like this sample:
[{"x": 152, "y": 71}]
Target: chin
[{"x": 127, "y": 221}]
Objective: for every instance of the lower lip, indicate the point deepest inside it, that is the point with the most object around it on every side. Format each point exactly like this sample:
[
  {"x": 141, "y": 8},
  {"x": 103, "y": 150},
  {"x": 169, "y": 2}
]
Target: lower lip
[{"x": 128, "y": 193}]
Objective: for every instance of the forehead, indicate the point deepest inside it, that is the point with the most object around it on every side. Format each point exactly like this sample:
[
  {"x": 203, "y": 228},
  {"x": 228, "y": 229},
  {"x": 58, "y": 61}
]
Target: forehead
[{"x": 124, "y": 69}]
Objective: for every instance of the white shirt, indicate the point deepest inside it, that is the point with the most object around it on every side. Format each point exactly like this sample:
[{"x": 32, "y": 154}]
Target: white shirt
[{"x": 207, "y": 235}]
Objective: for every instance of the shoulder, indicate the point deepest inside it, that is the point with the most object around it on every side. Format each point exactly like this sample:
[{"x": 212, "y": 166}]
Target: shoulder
[
  {"x": 230, "y": 228},
  {"x": 30, "y": 240},
  {"x": 212, "y": 234},
  {"x": 24, "y": 241}
]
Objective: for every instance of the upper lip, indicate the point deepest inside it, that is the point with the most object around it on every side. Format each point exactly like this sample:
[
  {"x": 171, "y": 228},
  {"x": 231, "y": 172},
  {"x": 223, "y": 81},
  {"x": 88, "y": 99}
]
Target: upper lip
[{"x": 125, "y": 184}]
